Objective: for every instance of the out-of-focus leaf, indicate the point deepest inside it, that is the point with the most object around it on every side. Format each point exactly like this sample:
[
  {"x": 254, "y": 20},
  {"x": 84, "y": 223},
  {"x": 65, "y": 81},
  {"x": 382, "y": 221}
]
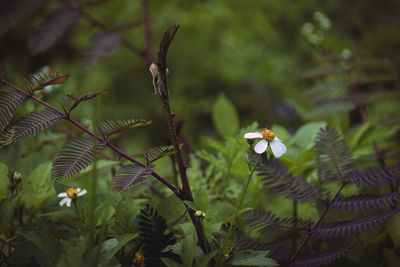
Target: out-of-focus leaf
[
  {"x": 7, "y": 206},
  {"x": 330, "y": 108},
  {"x": 15, "y": 12},
  {"x": 47, "y": 243},
  {"x": 38, "y": 186},
  {"x": 225, "y": 116},
  {"x": 101, "y": 45},
  {"x": 252, "y": 258},
  {"x": 188, "y": 248},
  {"x": 3, "y": 180},
  {"x": 307, "y": 133},
  {"x": 53, "y": 30}
]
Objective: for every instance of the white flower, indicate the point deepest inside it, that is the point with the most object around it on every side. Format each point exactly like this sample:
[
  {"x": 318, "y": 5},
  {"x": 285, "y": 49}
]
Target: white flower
[
  {"x": 277, "y": 147},
  {"x": 70, "y": 194}
]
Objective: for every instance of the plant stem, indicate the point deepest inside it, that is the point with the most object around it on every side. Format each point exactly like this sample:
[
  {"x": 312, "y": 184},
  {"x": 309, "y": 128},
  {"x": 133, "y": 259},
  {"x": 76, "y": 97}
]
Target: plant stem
[
  {"x": 147, "y": 54},
  {"x": 77, "y": 210},
  {"x": 356, "y": 100},
  {"x": 121, "y": 153},
  {"x": 304, "y": 242},
  {"x": 243, "y": 195}
]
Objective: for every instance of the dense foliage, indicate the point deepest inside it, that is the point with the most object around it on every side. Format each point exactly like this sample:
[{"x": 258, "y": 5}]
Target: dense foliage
[{"x": 190, "y": 184}]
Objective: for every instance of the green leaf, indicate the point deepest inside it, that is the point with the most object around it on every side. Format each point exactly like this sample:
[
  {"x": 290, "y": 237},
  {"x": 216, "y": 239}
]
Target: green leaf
[
  {"x": 3, "y": 180},
  {"x": 38, "y": 186},
  {"x": 104, "y": 212},
  {"x": 252, "y": 258},
  {"x": 7, "y": 206},
  {"x": 225, "y": 116},
  {"x": 113, "y": 245},
  {"x": 172, "y": 209},
  {"x": 191, "y": 205},
  {"x": 188, "y": 248},
  {"x": 47, "y": 243},
  {"x": 307, "y": 133}
]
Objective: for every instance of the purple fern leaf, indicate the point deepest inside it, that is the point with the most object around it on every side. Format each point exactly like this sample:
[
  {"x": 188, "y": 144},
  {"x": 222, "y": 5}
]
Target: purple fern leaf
[
  {"x": 131, "y": 175},
  {"x": 366, "y": 202},
  {"x": 321, "y": 258},
  {"x": 9, "y": 102},
  {"x": 74, "y": 157},
  {"x": 376, "y": 176},
  {"x": 333, "y": 157},
  {"x": 275, "y": 175},
  {"x": 351, "y": 227}
]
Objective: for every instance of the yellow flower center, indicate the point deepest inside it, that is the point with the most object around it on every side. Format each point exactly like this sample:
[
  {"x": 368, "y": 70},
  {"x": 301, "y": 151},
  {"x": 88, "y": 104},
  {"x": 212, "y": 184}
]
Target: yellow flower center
[
  {"x": 268, "y": 135},
  {"x": 72, "y": 192}
]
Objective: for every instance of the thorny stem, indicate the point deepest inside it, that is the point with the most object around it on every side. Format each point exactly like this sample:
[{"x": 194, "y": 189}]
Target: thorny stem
[
  {"x": 121, "y": 153},
  {"x": 160, "y": 81},
  {"x": 304, "y": 242},
  {"x": 356, "y": 100}
]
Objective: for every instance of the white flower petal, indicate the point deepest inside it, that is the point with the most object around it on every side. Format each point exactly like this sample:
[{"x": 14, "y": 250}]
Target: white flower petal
[
  {"x": 69, "y": 202},
  {"x": 63, "y": 201},
  {"x": 277, "y": 147},
  {"x": 81, "y": 193},
  {"x": 253, "y": 135},
  {"x": 261, "y": 146},
  {"x": 63, "y": 194}
]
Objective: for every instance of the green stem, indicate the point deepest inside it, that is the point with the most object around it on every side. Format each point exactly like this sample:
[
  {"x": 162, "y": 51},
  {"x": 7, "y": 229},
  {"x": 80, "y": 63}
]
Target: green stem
[
  {"x": 238, "y": 208},
  {"x": 241, "y": 200},
  {"x": 77, "y": 210}
]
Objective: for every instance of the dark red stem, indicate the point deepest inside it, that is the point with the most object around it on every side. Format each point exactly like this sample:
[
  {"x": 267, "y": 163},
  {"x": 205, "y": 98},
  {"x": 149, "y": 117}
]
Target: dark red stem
[{"x": 302, "y": 245}]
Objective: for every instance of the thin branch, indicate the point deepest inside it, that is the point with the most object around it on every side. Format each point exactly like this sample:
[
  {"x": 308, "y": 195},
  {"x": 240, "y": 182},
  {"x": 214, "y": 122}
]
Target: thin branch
[
  {"x": 65, "y": 116},
  {"x": 302, "y": 245},
  {"x": 148, "y": 55}
]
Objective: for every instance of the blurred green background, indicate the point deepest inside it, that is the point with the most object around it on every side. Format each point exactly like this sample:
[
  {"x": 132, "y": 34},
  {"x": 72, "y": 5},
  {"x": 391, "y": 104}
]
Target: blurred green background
[{"x": 252, "y": 52}]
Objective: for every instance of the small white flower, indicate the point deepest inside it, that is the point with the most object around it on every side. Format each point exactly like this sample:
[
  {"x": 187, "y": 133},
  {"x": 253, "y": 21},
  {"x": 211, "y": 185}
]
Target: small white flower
[
  {"x": 277, "y": 147},
  {"x": 71, "y": 194}
]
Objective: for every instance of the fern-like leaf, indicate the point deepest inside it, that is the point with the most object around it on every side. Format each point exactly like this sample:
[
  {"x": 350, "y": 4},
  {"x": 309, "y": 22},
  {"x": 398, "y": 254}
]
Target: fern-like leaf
[
  {"x": 34, "y": 122},
  {"x": 130, "y": 175},
  {"x": 101, "y": 45},
  {"x": 110, "y": 127},
  {"x": 69, "y": 102},
  {"x": 74, "y": 157},
  {"x": 9, "y": 102},
  {"x": 334, "y": 159},
  {"x": 164, "y": 46},
  {"x": 321, "y": 258},
  {"x": 40, "y": 80},
  {"x": 244, "y": 242},
  {"x": 265, "y": 221},
  {"x": 156, "y": 153},
  {"x": 53, "y": 30},
  {"x": 275, "y": 175},
  {"x": 152, "y": 228},
  {"x": 350, "y": 227},
  {"x": 366, "y": 202},
  {"x": 14, "y": 11},
  {"x": 376, "y": 176}
]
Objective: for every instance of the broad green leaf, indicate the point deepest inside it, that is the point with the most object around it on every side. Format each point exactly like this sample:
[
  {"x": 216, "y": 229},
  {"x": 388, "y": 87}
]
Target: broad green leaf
[
  {"x": 354, "y": 138},
  {"x": 191, "y": 205},
  {"x": 113, "y": 245},
  {"x": 305, "y": 136},
  {"x": 281, "y": 133},
  {"x": 104, "y": 212},
  {"x": 225, "y": 116},
  {"x": 204, "y": 261},
  {"x": 38, "y": 186},
  {"x": 3, "y": 180},
  {"x": 171, "y": 263},
  {"x": 172, "y": 209},
  {"x": 47, "y": 243},
  {"x": 188, "y": 248},
  {"x": 7, "y": 206},
  {"x": 252, "y": 258}
]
